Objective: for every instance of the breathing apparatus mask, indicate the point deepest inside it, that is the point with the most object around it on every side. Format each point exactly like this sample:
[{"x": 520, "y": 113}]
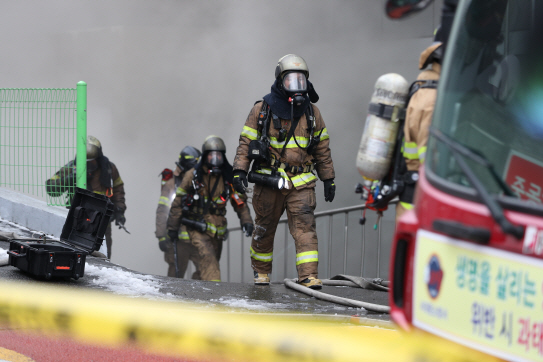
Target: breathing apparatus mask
[
  {"x": 92, "y": 166},
  {"x": 214, "y": 161},
  {"x": 295, "y": 86}
]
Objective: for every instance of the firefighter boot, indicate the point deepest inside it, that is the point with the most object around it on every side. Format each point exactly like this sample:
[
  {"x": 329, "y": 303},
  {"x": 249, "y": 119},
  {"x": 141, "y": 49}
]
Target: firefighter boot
[
  {"x": 312, "y": 283},
  {"x": 261, "y": 279}
]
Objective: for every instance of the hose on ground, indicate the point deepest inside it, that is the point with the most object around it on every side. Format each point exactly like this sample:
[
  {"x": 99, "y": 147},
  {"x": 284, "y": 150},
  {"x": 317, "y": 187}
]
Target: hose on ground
[{"x": 290, "y": 283}]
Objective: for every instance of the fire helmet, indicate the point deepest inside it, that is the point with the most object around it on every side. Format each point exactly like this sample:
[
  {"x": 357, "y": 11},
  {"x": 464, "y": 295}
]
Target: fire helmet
[
  {"x": 94, "y": 148},
  {"x": 291, "y": 63},
  {"x": 213, "y": 152},
  {"x": 213, "y": 143},
  {"x": 188, "y": 158}
]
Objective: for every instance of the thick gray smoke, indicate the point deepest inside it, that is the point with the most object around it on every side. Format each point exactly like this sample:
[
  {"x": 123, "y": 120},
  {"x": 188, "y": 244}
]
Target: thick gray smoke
[{"x": 164, "y": 74}]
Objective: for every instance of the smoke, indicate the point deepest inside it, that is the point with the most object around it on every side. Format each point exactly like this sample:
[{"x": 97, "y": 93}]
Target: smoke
[{"x": 165, "y": 74}]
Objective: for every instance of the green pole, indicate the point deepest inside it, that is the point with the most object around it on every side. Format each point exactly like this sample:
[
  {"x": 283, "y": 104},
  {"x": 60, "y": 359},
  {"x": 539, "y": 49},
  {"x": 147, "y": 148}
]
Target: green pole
[{"x": 81, "y": 155}]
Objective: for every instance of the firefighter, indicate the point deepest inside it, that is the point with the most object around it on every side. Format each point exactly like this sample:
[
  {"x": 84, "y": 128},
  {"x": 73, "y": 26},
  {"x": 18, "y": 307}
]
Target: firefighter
[
  {"x": 200, "y": 204},
  {"x": 418, "y": 119},
  {"x": 102, "y": 178},
  {"x": 171, "y": 180},
  {"x": 295, "y": 144}
]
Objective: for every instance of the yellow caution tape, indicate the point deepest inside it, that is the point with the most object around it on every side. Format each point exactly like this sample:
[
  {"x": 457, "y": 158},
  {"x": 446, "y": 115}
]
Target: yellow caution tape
[{"x": 181, "y": 329}]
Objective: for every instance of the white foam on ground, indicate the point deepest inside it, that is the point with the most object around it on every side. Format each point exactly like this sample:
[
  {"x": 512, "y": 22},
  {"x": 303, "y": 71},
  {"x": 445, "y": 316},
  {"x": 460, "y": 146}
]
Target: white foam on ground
[
  {"x": 249, "y": 304},
  {"x": 126, "y": 283},
  {"x": 4, "y": 257}
]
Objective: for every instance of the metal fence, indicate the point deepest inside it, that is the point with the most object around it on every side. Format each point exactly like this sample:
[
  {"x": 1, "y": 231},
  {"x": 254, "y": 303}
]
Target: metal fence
[
  {"x": 345, "y": 247},
  {"x": 41, "y": 129}
]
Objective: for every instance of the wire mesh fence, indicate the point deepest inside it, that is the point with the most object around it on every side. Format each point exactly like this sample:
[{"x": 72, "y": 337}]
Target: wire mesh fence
[{"x": 38, "y": 136}]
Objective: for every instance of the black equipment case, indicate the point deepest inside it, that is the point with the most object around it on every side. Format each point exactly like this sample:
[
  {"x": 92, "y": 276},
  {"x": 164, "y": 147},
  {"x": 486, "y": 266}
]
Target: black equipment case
[{"x": 83, "y": 233}]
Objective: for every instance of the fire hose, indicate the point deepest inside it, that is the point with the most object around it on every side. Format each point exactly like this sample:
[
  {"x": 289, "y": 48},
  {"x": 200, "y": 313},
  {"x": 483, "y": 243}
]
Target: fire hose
[{"x": 344, "y": 280}]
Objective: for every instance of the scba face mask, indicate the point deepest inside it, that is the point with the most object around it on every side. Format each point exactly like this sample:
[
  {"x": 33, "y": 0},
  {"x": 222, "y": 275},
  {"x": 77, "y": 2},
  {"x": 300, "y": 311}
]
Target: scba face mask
[
  {"x": 215, "y": 160},
  {"x": 295, "y": 82},
  {"x": 295, "y": 85}
]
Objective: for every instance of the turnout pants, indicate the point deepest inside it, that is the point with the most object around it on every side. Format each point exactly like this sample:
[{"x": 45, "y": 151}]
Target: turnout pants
[
  {"x": 269, "y": 205},
  {"x": 185, "y": 252},
  {"x": 207, "y": 256}
]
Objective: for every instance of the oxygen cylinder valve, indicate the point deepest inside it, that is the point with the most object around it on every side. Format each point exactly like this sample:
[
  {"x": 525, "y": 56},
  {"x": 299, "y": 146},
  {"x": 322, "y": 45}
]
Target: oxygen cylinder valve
[{"x": 358, "y": 188}]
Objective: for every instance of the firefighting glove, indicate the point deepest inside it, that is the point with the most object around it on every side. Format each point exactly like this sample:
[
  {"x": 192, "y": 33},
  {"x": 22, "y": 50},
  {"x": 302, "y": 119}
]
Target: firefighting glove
[
  {"x": 240, "y": 179},
  {"x": 119, "y": 217},
  {"x": 248, "y": 229},
  {"x": 173, "y": 235},
  {"x": 165, "y": 244},
  {"x": 329, "y": 190}
]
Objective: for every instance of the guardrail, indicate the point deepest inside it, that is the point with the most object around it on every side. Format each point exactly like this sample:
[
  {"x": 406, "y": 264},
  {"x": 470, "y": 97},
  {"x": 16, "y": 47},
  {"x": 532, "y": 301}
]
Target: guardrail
[{"x": 345, "y": 247}]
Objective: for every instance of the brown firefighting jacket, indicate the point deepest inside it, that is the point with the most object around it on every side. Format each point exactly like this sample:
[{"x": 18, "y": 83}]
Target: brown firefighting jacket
[
  {"x": 58, "y": 184},
  {"x": 293, "y": 155},
  {"x": 419, "y": 114},
  {"x": 167, "y": 195},
  {"x": 215, "y": 215}
]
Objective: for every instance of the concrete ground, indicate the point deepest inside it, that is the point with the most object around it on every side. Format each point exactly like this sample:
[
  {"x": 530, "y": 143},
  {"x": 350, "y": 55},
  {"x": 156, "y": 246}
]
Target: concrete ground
[{"x": 275, "y": 298}]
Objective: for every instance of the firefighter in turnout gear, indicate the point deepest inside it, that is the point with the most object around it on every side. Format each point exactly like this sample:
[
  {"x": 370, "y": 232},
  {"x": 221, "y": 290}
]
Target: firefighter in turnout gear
[
  {"x": 418, "y": 118},
  {"x": 200, "y": 204},
  {"x": 102, "y": 178},
  {"x": 285, "y": 138},
  {"x": 171, "y": 180}
]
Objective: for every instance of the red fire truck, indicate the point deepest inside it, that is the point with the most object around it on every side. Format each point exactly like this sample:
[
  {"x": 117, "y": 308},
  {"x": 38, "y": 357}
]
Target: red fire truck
[{"x": 467, "y": 261}]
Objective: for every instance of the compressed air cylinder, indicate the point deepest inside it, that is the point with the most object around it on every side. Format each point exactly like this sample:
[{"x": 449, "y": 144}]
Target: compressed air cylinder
[{"x": 379, "y": 136}]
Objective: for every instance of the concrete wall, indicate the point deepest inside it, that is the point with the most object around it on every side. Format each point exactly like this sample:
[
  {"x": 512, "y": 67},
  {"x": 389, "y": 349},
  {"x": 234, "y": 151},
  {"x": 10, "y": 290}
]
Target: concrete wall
[{"x": 31, "y": 213}]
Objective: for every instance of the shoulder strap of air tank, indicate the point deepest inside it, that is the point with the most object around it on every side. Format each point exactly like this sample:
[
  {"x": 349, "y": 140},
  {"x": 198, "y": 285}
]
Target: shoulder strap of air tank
[
  {"x": 263, "y": 118},
  {"x": 311, "y": 122}
]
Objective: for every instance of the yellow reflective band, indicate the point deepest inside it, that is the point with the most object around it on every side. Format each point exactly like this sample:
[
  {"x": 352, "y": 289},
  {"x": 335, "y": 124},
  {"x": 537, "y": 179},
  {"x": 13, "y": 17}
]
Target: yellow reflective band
[
  {"x": 267, "y": 171},
  {"x": 164, "y": 201},
  {"x": 302, "y": 179},
  {"x": 324, "y": 134},
  {"x": 307, "y": 257},
  {"x": 250, "y": 133},
  {"x": 236, "y": 176},
  {"x": 215, "y": 280},
  {"x": 184, "y": 235},
  {"x": 55, "y": 177},
  {"x": 407, "y": 205},
  {"x": 410, "y": 150},
  {"x": 302, "y": 141},
  {"x": 211, "y": 227},
  {"x": 188, "y": 157},
  {"x": 221, "y": 231},
  {"x": 422, "y": 153},
  {"x": 117, "y": 182},
  {"x": 180, "y": 191},
  {"x": 162, "y": 239},
  {"x": 100, "y": 192},
  {"x": 265, "y": 257}
]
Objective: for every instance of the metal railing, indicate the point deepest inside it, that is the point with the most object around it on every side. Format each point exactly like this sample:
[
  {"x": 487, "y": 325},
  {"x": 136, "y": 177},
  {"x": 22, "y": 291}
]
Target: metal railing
[
  {"x": 365, "y": 248},
  {"x": 41, "y": 129}
]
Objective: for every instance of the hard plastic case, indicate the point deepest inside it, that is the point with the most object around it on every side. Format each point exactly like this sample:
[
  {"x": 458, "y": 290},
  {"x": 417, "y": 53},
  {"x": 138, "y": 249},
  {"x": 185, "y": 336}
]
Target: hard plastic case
[{"x": 83, "y": 233}]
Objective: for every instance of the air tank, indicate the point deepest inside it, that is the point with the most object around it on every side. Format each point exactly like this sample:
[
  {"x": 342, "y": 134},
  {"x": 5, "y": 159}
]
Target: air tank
[{"x": 379, "y": 136}]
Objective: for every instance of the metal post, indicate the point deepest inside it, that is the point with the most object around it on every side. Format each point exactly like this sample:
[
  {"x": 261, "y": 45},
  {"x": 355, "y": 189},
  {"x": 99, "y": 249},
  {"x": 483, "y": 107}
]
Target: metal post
[
  {"x": 286, "y": 249},
  {"x": 228, "y": 259},
  {"x": 345, "y": 239},
  {"x": 330, "y": 246},
  {"x": 81, "y": 152},
  {"x": 242, "y": 251},
  {"x": 363, "y": 248},
  {"x": 379, "y": 249}
]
